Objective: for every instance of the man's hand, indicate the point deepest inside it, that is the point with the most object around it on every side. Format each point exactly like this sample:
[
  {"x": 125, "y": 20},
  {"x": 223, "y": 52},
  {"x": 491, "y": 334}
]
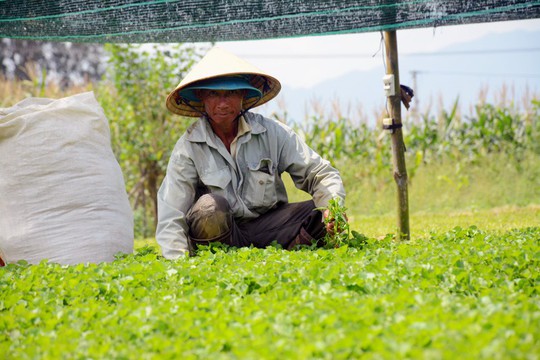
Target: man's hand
[{"x": 330, "y": 222}]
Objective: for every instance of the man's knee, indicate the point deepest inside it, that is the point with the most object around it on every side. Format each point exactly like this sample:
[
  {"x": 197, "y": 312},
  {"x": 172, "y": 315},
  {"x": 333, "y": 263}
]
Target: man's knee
[{"x": 209, "y": 217}]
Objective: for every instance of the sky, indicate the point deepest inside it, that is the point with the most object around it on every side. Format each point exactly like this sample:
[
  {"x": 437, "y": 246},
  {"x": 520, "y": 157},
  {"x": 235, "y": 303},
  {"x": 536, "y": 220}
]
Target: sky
[{"x": 304, "y": 62}]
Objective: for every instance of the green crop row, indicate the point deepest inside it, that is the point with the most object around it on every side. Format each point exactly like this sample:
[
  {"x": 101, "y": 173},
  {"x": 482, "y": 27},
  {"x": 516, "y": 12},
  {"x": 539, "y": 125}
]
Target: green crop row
[{"x": 465, "y": 292}]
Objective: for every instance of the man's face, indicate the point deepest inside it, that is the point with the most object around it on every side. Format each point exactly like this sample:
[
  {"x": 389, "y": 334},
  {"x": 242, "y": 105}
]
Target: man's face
[{"x": 223, "y": 106}]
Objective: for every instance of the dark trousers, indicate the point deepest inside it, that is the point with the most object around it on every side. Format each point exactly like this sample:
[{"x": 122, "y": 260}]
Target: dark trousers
[{"x": 210, "y": 219}]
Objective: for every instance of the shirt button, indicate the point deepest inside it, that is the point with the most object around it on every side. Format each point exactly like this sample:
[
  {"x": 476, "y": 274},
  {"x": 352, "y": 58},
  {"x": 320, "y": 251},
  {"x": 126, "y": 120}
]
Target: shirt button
[{"x": 261, "y": 182}]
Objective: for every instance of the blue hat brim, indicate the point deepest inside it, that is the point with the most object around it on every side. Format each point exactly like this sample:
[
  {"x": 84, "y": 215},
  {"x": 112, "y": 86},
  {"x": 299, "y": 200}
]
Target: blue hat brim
[{"x": 220, "y": 83}]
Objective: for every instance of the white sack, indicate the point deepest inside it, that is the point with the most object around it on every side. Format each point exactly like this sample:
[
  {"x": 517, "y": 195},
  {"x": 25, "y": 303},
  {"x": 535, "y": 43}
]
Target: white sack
[{"x": 62, "y": 193}]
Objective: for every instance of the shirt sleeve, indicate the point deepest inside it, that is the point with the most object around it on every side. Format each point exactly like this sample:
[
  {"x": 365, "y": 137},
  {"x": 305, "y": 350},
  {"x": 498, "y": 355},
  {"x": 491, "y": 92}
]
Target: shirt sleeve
[
  {"x": 175, "y": 197},
  {"x": 310, "y": 172}
]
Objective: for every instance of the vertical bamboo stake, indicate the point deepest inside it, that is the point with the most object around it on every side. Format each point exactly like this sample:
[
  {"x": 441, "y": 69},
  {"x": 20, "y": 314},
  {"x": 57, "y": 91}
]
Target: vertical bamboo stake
[{"x": 398, "y": 147}]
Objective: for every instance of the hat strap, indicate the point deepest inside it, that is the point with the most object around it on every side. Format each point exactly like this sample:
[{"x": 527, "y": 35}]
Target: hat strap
[
  {"x": 266, "y": 88},
  {"x": 242, "y": 112},
  {"x": 181, "y": 100}
]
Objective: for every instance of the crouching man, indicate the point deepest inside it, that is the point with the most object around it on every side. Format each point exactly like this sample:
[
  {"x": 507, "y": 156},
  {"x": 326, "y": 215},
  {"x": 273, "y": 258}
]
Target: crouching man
[{"x": 223, "y": 180}]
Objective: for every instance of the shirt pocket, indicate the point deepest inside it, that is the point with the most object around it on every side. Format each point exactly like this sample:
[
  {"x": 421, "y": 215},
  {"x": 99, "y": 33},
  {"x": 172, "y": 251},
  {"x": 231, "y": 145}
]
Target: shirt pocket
[
  {"x": 217, "y": 180},
  {"x": 260, "y": 185}
]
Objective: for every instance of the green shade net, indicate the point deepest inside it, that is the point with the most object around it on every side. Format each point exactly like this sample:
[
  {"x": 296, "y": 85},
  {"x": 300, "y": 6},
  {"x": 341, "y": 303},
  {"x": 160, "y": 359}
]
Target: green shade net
[{"x": 196, "y": 21}]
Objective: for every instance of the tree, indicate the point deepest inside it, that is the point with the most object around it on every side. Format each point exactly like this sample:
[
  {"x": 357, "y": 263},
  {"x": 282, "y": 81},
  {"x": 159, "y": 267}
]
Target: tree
[{"x": 143, "y": 132}]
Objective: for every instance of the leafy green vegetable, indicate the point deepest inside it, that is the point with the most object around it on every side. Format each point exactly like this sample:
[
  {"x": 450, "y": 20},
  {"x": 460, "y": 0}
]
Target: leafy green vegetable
[
  {"x": 338, "y": 217},
  {"x": 466, "y": 291},
  {"x": 341, "y": 235}
]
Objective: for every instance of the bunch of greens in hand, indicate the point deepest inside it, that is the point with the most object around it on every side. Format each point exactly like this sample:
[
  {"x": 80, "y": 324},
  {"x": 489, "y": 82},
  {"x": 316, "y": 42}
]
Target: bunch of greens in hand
[{"x": 337, "y": 224}]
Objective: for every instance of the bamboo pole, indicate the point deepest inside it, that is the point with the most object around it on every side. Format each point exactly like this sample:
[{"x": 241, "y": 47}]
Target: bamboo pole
[{"x": 398, "y": 147}]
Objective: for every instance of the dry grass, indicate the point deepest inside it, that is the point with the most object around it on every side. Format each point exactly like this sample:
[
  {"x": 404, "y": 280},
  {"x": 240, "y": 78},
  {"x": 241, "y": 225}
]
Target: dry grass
[{"x": 12, "y": 92}]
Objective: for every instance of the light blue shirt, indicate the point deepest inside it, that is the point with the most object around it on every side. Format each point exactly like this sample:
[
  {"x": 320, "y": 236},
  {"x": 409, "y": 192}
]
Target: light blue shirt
[{"x": 251, "y": 181}]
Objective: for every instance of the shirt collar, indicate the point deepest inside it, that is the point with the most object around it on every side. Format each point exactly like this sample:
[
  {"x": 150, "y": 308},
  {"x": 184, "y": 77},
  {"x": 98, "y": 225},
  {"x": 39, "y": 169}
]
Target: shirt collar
[{"x": 243, "y": 127}]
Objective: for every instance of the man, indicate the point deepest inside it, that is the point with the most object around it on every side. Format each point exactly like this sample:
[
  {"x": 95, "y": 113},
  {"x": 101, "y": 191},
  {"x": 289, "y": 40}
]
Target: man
[{"x": 223, "y": 180}]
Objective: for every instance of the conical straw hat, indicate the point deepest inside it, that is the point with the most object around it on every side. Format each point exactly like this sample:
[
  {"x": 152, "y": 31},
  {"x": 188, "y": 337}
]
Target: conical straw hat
[{"x": 218, "y": 63}]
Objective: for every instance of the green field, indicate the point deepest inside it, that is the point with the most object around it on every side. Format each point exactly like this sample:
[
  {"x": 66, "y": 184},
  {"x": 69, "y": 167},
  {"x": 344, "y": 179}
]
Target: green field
[
  {"x": 466, "y": 293},
  {"x": 466, "y": 285}
]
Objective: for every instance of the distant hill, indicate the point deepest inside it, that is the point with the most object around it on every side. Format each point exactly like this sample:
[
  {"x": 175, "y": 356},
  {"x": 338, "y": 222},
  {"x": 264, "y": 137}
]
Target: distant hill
[{"x": 441, "y": 78}]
